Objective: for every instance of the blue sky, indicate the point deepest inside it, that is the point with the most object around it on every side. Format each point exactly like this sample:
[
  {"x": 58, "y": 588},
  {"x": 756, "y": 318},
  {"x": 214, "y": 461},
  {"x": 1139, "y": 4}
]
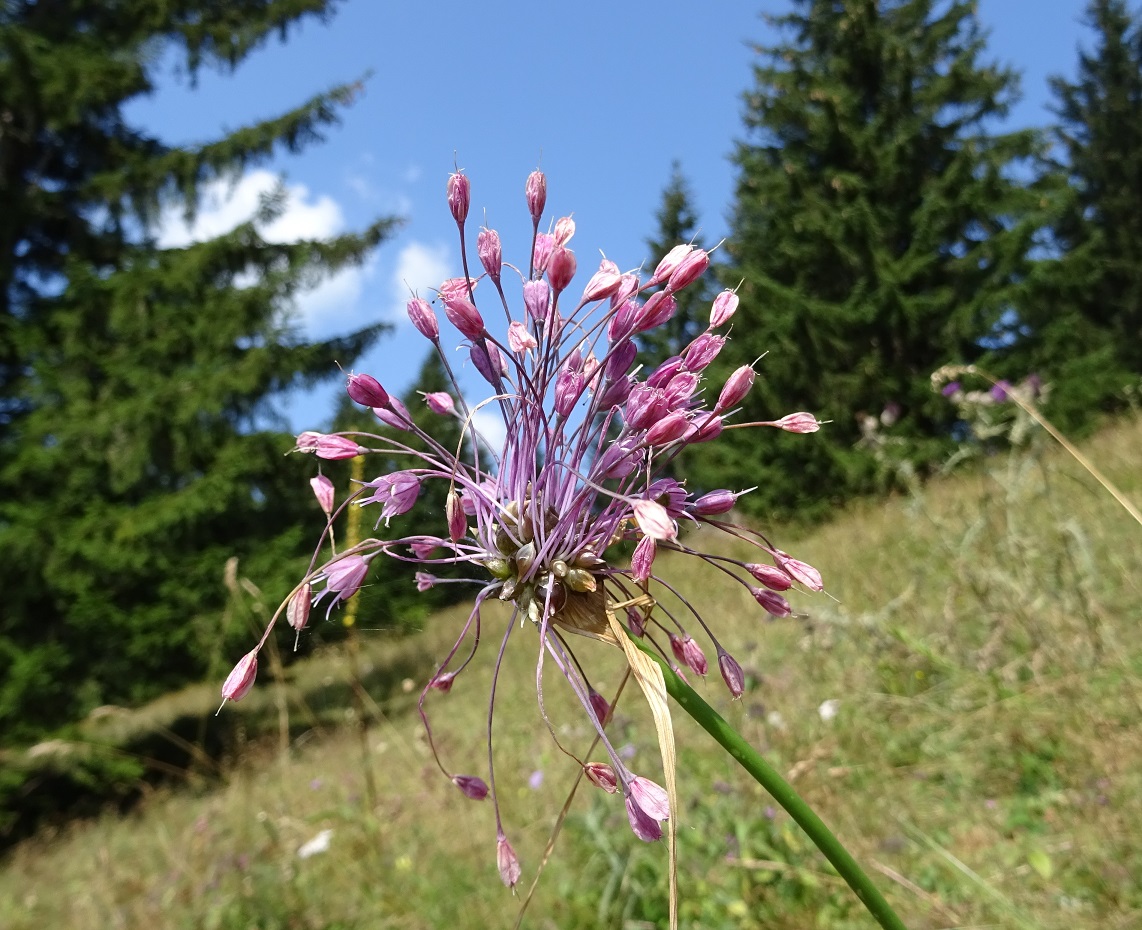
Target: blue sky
[{"x": 602, "y": 96}]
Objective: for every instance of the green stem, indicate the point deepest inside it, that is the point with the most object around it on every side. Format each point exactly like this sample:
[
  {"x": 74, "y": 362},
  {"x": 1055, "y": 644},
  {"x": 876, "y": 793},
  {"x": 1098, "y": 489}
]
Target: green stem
[{"x": 782, "y": 792}]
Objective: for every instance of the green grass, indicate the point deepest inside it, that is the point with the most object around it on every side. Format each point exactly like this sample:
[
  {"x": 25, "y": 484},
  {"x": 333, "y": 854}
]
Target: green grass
[{"x": 985, "y": 765}]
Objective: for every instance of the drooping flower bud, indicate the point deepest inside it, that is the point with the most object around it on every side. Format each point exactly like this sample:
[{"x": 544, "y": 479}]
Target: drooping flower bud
[
  {"x": 366, "y": 391},
  {"x": 329, "y": 446},
  {"x": 642, "y": 561},
  {"x": 773, "y": 578},
  {"x": 472, "y": 786},
  {"x": 801, "y": 571},
  {"x": 423, "y": 318},
  {"x": 692, "y": 267},
  {"x": 599, "y": 705},
  {"x": 653, "y": 520},
  {"x": 535, "y": 190},
  {"x": 670, "y": 261},
  {"x": 602, "y": 775},
  {"x": 561, "y": 269},
  {"x": 536, "y": 297},
  {"x": 670, "y": 428},
  {"x": 440, "y": 402},
  {"x": 702, "y": 351},
  {"x": 485, "y": 362},
  {"x": 737, "y": 386},
  {"x": 491, "y": 253},
  {"x": 507, "y": 861},
  {"x": 425, "y": 581},
  {"x": 725, "y": 305},
  {"x": 732, "y": 673},
  {"x": 297, "y": 610},
  {"x": 659, "y": 308},
  {"x": 568, "y": 388},
  {"x": 800, "y": 422},
  {"x": 519, "y": 339},
  {"x": 241, "y": 679},
  {"x": 624, "y": 321},
  {"x": 620, "y": 358},
  {"x": 323, "y": 491},
  {"x": 645, "y": 827},
  {"x": 443, "y": 682},
  {"x": 651, "y": 797},
  {"x": 457, "y": 521},
  {"x": 459, "y": 197},
  {"x": 773, "y": 603},
  {"x": 462, "y": 313},
  {"x": 394, "y": 415},
  {"x": 604, "y": 282},
  {"x": 689, "y": 653}
]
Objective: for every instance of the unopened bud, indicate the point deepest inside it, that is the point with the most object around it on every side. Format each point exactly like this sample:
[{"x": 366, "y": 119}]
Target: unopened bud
[
  {"x": 604, "y": 282},
  {"x": 473, "y": 787},
  {"x": 297, "y": 610},
  {"x": 773, "y": 603},
  {"x": 459, "y": 197},
  {"x": 561, "y": 269},
  {"x": 440, "y": 402},
  {"x": 423, "y": 318},
  {"x": 653, "y": 520},
  {"x": 689, "y": 653},
  {"x": 366, "y": 391},
  {"x": 714, "y": 504},
  {"x": 732, "y": 673},
  {"x": 692, "y": 267},
  {"x": 800, "y": 422},
  {"x": 564, "y": 230},
  {"x": 443, "y": 682},
  {"x": 425, "y": 581},
  {"x": 671, "y": 261},
  {"x": 519, "y": 339},
  {"x": 801, "y": 571},
  {"x": 491, "y": 252},
  {"x": 239, "y": 682},
  {"x": 457, "y": 521},
  {"x": 536, "y": 193},
  {"x": 725, "y": 305},
  {"x": 642, "y": 562},
  {"x": 332, "y": 447},
  {"x": 507, "y": 862},
  {"x": 602, "y": 775},
  {"x": 536, "y": 296},
  {"x": 462, "y": 313},
  {"x": 323, "y": 491},
  {"x": 659, "y": 308},
  {"x": 737, "y": 386},
  {"x": 599, "y": 705},
  {"x": 773, "y": 578}
]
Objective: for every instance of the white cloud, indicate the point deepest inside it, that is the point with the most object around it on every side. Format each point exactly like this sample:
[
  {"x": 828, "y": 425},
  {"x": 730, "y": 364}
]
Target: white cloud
[
  {"x": 491, "y": 426},
  {"x": 330, "y": 305}
]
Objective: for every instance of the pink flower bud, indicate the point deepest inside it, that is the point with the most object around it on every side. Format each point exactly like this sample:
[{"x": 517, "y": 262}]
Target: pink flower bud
[
  {"x": 670, "y": 261},
  {"x": 564, "y": 230},
  {"x": 689, "y": 270},
  {"x": 473, "y": 787},
  {"x": 424, "y": 581},
  {"x": 395, "y": 415},
  {"x": 797, "y": 423},
  {"x": 680, "y": 389},
  {"x": 459, "y": 197},
  {"x": 659, "y": 308},
  {"x": 561, "y": 269},
  {"x": 636, "y": 621},
  {"x": 772, "y": 602},
  {"x": 423, "y": 318},
  {"x": 662, "y": 375},
  {"x": 457, "y": 521},
  {"x": 440, "y": 402},
  {"x": 714, "y": 504},
  {"x": 491, "y": 253},
  {"x": 456, "y": 288},
  {"x": 332, "y": 446},
  {"x": 702, "y": 351},
  {"x": 297, "y": 610},
  {"x": 689, "y": 653},
  {"x": 801, "y": 571},
  {"x": 507, "y": 862},
  {"x": 670, "y": 428},
  {"x": 323, "y": 491},
  {"x": 737, "y": 386},
  {"x": 619, "y": 359},
  {"x": 366, "y": 391},
  {"x": 536, "y": 193},
  {"x": 725, "y": 305},
  {"x": 544, "y": 243},
  {"x": 568, "y": 387},
  {"x": 599, "y": 705},
  {"x": 773, "y": 578},
  {"x": 602, "y": 775},
  {"x": 653, "y": 520},
  {"x": 624, "y": 321},
  {"x": 645, "y": 827},
  {"x": 443, "y": 682},
  {"x": 239, "y": 682},
  {"x": 536, "y": 297},
  {"x": 629, "y": 285},
  {"x": 707, "y": 426},
  {"x": 462, "y": 313},
  {"x": 732, "y": 673},
  {"x": 307, "y": 441},
  {"x": 604, "y": 282},
  {"x": 642, "y": 562},
  {"x": 519, "y": 339},
  {"x": 487, "y": 360}
]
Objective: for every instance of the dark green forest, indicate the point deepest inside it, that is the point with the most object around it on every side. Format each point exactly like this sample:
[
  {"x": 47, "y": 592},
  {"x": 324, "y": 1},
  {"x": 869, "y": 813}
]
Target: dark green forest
[{"x": 885, "y": 223}]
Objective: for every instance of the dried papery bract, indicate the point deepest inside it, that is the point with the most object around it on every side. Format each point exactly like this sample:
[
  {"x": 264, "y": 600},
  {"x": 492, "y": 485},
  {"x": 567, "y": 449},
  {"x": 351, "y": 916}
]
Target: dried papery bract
[{"x": 542, "y": 525}]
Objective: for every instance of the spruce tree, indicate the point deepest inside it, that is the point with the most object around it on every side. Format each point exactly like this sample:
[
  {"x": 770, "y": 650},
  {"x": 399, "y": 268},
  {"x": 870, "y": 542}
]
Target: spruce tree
[
  {"x": 140, "y": 446},
  {"x": 1083, "y": 321},
  {"x": 877, "y": 228}
]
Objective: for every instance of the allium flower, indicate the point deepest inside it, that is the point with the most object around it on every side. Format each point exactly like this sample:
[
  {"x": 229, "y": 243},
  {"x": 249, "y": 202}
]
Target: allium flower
[{"x": 589, "y": 432}]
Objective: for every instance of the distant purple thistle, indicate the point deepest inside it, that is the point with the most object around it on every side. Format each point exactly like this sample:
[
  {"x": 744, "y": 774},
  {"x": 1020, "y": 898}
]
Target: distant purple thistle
[{"x": 542, "y": 526}]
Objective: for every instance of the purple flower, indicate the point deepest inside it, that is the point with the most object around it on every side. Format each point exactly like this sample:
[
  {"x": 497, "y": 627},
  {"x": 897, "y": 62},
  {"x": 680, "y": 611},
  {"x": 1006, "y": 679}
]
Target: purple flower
[{"x": 541, "y": 524}]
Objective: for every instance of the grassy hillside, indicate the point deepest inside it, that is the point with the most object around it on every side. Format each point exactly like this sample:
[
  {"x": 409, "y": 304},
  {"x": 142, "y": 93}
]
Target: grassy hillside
[{"x": 984, "y": 762}]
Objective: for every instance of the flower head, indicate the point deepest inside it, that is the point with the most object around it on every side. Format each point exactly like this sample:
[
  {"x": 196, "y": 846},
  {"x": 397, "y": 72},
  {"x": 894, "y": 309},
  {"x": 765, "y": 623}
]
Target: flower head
[{"x": 580, "y": 473}]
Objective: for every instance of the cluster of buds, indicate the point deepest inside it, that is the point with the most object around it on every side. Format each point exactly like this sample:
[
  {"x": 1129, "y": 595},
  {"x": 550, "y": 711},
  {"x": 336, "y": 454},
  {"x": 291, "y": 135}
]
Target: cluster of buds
[{"x": 537, "y": 521}]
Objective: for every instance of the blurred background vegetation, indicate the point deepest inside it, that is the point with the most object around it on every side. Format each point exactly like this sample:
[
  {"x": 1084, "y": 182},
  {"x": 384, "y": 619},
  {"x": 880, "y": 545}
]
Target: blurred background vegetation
[{"x": 981, "y": 643}]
